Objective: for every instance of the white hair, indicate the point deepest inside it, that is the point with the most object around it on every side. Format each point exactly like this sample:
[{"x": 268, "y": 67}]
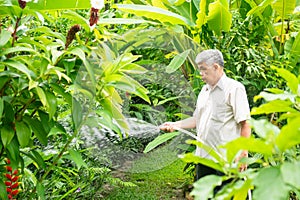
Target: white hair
[{"x": 210, "y": 57}]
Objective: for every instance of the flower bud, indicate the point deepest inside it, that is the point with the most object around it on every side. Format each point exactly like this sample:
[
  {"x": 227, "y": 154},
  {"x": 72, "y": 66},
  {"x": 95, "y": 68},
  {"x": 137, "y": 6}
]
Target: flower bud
[
  {"x": 7, "y": 161},
  {"x": 15, "y": 172},
  {"x": 71, "y": 34},
  {"x": 8, "y": 190},
  {"x": 8, "y": 176},
  {"x": 7, "y": 183},
  {"x": 15, "y": 185},
  {"x": 22, "y": 4},
  {"x": 14, "y": 178},
  {"x": 15, "y": 192},
  {"x": 8, "y": 168}
]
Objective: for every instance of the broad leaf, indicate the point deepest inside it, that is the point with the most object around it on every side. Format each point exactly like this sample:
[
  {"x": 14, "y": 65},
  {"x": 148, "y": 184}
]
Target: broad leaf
[
  {"x": 270, "y": 179},
  {"x": 265, "y": 129},
  {"x": 284, "y": 7},
  {"x": 77, "y": 113},
  {"x": 124, "y": 21},
  {"x": 7, "y": 134},
  {"x": 42, "y": 95},
  {"x": 17, "y": 49},
  {"x": 37, "y": 128},
  {"x": 1, "y": 107},
  {"x": 77, "y": 158},
  {"x": 201, "y": 15},
  {"x": 19, "y": 66},
  {"x": 289, "y": 135},
  {"x": 177, "y": 61},
  {"x": 272, "y": 107},
  {"x": 219, "y": 17},
  {"x": 192, "y": 158},
  {"x": 291, "y": 173},
  {"x": 251, "y": 144},
  {"x": 4, "y": 37},
  {"x": 160, "y": 140},
  {"x": 204, "y": 187},
  {"x": 291, "y": 80},
  {"x": 154, "y": 13},
  {"x": 58, "y": 4},
  {"x": 23, "y": 133},
  {"x": 51, "y": 103},
  {"x": 295, "y": 51}
]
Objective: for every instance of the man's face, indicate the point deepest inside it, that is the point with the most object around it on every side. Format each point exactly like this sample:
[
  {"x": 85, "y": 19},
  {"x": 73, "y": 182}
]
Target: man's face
[{"x": 208, "y": 73}]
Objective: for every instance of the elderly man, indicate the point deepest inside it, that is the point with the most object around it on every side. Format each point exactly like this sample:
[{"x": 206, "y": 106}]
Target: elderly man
[{"x": 221, "y": 111}]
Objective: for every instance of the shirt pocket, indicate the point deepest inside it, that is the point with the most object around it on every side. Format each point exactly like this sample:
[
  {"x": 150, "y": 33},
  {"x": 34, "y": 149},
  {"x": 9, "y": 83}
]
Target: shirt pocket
[{"x": 219, "y": 112}]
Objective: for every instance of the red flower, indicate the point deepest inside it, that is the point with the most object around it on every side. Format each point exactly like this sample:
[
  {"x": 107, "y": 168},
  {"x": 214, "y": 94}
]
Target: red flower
[
  {"x": 15, "y": 185},
  {"x": 8, "y": 176},
  {"x": 15, "y": 192},
  {"x": 14, "y": 178},
  {"x": 8, "y": 168},
  {"x": 7, "y": 183},
  {"x": 15, "y": 172}
]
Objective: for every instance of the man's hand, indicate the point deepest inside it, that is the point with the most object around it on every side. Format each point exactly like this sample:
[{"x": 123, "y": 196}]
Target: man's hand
[
  {"x": 243, "y": 166},
  {"x": 168, "y": 126}
]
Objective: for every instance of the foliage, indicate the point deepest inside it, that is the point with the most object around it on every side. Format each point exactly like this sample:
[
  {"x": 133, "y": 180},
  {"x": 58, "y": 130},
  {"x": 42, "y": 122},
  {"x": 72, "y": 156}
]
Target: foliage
[{"x": 45, "y": 103}]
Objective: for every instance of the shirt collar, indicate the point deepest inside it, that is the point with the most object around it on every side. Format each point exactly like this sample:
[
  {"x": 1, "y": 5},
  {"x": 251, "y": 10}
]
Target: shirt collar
[{"x": 220, "y": 83}]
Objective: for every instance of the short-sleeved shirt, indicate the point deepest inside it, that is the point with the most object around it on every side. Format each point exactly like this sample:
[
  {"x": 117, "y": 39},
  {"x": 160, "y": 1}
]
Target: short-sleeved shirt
[{"x": 218, "y": 114}]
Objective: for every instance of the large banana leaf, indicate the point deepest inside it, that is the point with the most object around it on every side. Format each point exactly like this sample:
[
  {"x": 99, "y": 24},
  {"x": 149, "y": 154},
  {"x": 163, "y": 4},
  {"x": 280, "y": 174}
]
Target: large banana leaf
[
  {"x": 219, "y": 17},
  {"x": 58, "y": 4},
  {"x": 155, "y": 13}
]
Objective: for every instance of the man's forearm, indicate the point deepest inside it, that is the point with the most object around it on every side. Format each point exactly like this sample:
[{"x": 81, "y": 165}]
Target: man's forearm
[{"x": 186, "y": 123}]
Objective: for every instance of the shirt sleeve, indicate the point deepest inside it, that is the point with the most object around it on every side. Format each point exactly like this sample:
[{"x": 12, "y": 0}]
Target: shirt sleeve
[{"x": 240, "y": 104}]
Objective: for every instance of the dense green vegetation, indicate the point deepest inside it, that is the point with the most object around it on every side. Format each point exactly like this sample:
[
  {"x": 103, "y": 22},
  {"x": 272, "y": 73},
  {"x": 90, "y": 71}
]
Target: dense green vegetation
[{"x": 71, "y": 70}]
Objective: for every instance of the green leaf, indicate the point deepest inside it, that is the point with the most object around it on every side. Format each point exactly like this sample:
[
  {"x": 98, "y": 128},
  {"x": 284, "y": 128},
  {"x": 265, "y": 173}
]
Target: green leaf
[
  {"x": 201, "y": 15},
  {"x": 265, "y": 129},
  {"x": 4, "y": 37},
  {"x": 59, "y": 5},
  {"x": 295, "y": 51},
  {"x": 1, "y": 107},
  {"x": 219, "y": 17},
  {"x": 23, "y": 133},
  {"x": 37, "y": 128},
  {"x": 17, "y": 49},
  {"x": 272, "y": 107},
  {"x": 3, "y": 192},
  {"x": 38, "y": 159},
  {"x": 127, "y": 84},
  {"x": 160, "y": 140},
  {"x": 76, "y": 18},
  {"x": 7, "y": 134},
  {"x": 61, "y": 91},
  {"x": 42, "y": 95},
  {"x": 155, "y": 13},
  {"x": 291, "y": 173},
  {"x": 284, "y": 8},
  {"x": 77, "y": 113},
  {"x": 204, "y": 187},
  {"x": 77, "y": 158},
  {"x": 192, "y": 158},
  {"x": 51, "y": 103},
  {"x": 270, "y": 179},
  {"x": 177, "y": 61},
  {"x": 251, "y": 144},
  {"x": 19, "y": 66},
  {"x": 14, "y": 149},
  {"x": 289, "y": 135},
  {"x": 291, "y": 80},
  {"x": 271, "y": 97},
  {"x": 124, "y": 21},
  {"x": 40, "y": 191}
]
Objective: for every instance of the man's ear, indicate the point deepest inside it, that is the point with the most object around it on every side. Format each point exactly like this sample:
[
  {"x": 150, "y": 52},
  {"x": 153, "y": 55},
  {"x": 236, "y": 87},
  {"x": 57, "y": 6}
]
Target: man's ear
[{"x": 216, "y": 66}]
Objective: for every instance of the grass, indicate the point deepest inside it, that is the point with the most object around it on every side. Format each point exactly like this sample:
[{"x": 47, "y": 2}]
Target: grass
[{"x": 169, "y": 181}]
